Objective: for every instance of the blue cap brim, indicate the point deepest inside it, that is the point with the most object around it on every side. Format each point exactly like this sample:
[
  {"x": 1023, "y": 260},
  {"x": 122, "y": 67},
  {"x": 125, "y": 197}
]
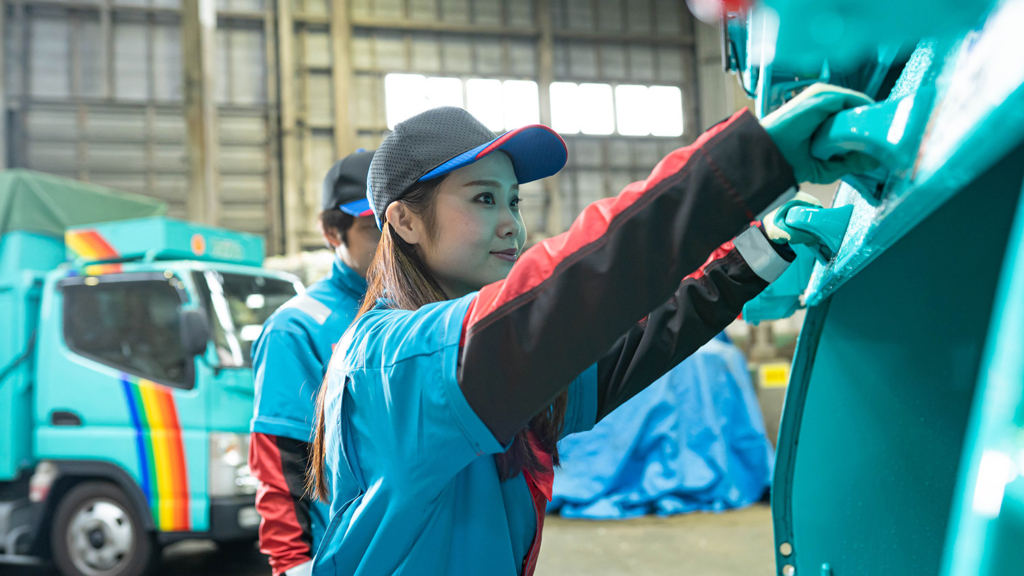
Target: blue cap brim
[
  {"x": 536, "y": 152},
  {"x": 357, "y": 208}
]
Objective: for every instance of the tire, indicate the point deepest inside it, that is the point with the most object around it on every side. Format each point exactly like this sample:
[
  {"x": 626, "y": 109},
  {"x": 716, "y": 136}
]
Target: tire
[{"x": 97, "y": 532}]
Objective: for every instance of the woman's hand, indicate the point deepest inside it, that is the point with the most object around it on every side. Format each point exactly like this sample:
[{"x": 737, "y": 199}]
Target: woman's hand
[
  {"x": 792, "y": 126},
  {"x": 774, "y": 222}
]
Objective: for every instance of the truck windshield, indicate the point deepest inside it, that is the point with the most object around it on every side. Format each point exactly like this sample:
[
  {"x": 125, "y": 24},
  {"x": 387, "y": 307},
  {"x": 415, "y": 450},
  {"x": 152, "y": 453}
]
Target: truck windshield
[{"x": 238, "y": 305}]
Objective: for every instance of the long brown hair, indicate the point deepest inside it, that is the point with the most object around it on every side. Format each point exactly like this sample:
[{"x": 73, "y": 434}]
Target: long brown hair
[{"x": 399, "y": 274}]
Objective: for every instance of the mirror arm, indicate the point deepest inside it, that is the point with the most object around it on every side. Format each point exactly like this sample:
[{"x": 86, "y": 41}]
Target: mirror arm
[{"x": 215, "y": 368}]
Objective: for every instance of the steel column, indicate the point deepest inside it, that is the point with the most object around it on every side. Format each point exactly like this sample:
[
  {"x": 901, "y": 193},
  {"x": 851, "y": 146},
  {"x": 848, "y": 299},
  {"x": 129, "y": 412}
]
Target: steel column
[{"x": 198, "y": 24}]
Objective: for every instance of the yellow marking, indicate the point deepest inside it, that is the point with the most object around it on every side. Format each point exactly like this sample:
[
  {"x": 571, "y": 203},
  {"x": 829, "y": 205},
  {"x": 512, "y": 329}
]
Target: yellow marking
[
  {"x": 774, "y": 375},
  {"x": 79, "y": 246}
]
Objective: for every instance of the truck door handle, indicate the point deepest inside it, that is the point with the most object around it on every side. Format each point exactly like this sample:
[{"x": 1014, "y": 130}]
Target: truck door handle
[
  {"x": 828, "y": 225},
  {"x": 65, "y": 418},
  {"x": 888, "y": 131}
]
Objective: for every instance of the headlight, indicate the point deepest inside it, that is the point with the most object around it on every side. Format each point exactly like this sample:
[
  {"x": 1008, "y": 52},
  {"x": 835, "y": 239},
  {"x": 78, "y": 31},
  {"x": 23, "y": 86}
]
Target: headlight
[
  {"x": 229, "y": 465},
  {"x": 42, "y": 480}
]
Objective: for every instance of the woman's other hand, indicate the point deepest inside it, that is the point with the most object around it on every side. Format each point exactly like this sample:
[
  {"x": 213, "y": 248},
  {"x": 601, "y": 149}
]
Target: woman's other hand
[
  {"x": 778, "y": 232},
  {"x": 792, "y": 126}
]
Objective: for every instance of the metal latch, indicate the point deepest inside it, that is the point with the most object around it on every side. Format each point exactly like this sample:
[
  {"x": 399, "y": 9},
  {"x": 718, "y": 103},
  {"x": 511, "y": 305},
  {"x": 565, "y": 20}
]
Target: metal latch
[
  {"x": 827, "y": 225},
  {"x": 888, "y": 131}
]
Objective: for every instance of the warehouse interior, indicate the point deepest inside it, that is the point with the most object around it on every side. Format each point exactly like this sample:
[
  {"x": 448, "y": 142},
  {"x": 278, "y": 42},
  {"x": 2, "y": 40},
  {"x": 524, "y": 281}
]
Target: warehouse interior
[
  {"x": 236, "y": 125},
  {"x": 889, "y": 352},
  {"x": 232, "y": 111}
]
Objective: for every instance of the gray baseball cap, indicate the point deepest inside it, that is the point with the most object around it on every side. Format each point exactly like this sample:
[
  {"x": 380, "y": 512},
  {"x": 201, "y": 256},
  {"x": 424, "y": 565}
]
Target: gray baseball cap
[
  {"x": 438, "y": 141},
  {"x": 345, "y": 184}
]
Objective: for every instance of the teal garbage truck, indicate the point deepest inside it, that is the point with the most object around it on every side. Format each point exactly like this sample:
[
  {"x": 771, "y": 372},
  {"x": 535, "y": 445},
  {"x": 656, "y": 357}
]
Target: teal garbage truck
[{"x": 125, "y": 376}]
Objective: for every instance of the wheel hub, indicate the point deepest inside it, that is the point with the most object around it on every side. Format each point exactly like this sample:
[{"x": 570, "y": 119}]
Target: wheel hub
[
  {"x": 97, "y": 539},
  {"x": 100, "y": 537}
]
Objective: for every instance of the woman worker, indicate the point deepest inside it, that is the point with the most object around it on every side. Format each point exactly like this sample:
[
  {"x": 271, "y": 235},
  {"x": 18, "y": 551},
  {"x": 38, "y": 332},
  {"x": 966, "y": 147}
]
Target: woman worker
[{"x": 469, "y": 358}]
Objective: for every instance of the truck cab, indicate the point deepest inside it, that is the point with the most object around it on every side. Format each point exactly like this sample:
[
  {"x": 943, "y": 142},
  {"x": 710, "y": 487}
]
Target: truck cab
[{"x": 128, "y": 413}]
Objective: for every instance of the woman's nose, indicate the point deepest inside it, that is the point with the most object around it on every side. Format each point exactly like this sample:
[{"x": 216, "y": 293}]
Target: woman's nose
[{"x": 509, "y": 226}]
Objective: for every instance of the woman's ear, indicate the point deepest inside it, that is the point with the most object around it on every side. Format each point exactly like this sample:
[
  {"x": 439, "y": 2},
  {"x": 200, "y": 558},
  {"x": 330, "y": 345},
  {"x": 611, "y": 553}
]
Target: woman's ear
[{"x": 408, "y": 225}]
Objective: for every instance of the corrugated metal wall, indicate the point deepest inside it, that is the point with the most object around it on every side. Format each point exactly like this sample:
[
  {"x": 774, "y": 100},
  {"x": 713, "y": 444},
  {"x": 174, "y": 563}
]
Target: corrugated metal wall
[
  {"x": 94, "y": 89},
  {"x": 95, "y": 93},
  {"x": 612, "y": 41}
]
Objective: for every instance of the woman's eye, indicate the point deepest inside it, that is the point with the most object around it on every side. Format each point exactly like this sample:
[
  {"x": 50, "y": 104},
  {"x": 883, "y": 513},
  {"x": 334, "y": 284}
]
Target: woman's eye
[
  {"x": 514, "y": 203},
  {"x": 486, "y": 198}
]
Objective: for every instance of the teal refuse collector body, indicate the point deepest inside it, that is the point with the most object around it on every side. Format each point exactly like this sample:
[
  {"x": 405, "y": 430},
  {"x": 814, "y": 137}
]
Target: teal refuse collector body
[{"x": 901, "y": 447}]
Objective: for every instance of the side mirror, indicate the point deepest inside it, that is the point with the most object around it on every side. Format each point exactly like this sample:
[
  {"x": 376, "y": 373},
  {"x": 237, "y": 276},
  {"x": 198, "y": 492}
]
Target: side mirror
[{"x": 195, "y": 331}]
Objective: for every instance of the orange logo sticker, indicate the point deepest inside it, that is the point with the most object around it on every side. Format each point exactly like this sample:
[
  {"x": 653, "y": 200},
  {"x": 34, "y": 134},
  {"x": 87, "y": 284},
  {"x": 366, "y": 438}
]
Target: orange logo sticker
[{"x": 198, "y": 244}]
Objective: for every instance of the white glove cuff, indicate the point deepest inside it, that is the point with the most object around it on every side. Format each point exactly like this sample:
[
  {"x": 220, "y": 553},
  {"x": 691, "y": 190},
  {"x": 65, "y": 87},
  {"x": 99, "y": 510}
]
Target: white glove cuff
[{"x": 304, "y": 569}]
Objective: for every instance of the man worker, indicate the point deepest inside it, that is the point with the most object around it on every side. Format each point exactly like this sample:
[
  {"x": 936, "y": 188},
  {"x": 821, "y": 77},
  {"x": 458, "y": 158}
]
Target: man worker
[{"x": 290, "y": 358}]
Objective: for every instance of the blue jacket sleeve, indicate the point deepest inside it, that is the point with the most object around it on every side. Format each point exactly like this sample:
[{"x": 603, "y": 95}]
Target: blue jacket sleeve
[
  {"x": 581, "y": 410},
  {"x": 287, "y": 375}
]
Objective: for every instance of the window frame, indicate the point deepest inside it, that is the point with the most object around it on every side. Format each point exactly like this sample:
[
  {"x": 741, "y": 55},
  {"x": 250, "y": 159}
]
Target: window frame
[
  {"x": 204, "y": 296},
  {"x": 189, "y": 380}
]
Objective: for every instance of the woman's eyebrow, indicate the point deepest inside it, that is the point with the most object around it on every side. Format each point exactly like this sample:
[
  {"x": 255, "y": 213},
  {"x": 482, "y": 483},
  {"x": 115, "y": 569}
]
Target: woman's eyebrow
[{"x": 491, "y": 183}]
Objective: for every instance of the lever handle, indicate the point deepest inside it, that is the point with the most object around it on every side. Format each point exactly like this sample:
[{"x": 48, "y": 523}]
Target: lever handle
[
  {"x": 887, "y": 131},
  {"x": 828, "y": 225},
  {"x": 863, "y": 129}
]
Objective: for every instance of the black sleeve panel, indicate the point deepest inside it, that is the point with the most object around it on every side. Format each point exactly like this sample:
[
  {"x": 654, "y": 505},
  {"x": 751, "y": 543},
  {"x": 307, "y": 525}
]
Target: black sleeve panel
[
  {"x": 294, "y": 463},
  {"x": 701, "y": 308},
  {"x": 571, "y": 297}
]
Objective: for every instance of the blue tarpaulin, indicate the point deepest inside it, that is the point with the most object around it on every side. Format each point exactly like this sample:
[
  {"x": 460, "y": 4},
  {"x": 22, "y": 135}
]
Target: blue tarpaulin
[{"x": 694, "y": 440}]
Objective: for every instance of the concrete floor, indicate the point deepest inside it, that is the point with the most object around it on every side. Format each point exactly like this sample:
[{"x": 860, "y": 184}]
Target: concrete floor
[{"x": 736, "y": 543}]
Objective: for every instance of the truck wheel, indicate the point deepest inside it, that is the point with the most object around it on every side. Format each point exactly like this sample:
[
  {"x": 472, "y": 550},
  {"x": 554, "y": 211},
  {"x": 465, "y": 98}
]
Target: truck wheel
[{"x": 97, "y": 532}]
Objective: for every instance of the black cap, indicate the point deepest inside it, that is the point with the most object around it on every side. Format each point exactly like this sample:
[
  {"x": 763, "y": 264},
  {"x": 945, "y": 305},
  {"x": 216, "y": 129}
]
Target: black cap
[
  {"x": 345, "y": 184},
  {"x": 440, "y": 140}
]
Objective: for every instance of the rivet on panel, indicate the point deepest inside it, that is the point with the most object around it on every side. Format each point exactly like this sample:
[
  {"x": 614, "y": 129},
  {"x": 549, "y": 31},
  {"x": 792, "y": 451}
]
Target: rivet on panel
[
  {"x": 788, "y": 570},
  {"x": 785, "y": 548}
]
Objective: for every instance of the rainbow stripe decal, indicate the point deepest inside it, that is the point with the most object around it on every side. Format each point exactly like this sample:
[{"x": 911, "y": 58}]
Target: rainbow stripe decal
[
  {"x": 90, "y": 245},
  {"x": 163, "y": 475}
]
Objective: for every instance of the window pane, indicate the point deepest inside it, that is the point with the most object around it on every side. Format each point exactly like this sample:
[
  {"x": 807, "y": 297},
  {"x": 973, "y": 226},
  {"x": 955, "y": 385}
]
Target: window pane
[
  {"x": 633, "y": 113},
  {"x": 132, "y": 326},
  {"x": 565, "y": 110},
  {"x": 238, "y": 305},
  {"x": 522, "y": 103},
  {"x": 596, "y": 110},
  {"x": 666, "y": 103},
  {"x": 404, "y": 96},
  {"x": 484, "y": 100},
  {"x": 444, "y": 92}
]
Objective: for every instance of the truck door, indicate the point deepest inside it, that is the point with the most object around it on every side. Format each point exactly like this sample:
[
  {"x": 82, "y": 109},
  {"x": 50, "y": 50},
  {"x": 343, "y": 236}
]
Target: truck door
[
  {"x": 238, "y": 305},
  {"x": 116, "y": 385}
]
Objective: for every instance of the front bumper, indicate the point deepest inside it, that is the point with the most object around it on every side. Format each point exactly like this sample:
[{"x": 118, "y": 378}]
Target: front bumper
[
  {"x": 20, "y": 521},
  {"x": 234, "y": 518}
]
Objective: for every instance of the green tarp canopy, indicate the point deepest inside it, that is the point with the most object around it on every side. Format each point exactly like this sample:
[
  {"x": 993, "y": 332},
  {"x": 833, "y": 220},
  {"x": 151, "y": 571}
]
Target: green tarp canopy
[{"x": 45, "y": 204}]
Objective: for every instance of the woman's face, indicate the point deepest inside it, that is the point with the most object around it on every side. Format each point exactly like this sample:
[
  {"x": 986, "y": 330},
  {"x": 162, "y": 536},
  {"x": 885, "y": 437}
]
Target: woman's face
[{"x": 479, "y": 232}]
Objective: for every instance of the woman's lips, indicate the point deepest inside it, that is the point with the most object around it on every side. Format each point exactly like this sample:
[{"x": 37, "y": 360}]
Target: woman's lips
[{"x": 507, "y": 255}]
